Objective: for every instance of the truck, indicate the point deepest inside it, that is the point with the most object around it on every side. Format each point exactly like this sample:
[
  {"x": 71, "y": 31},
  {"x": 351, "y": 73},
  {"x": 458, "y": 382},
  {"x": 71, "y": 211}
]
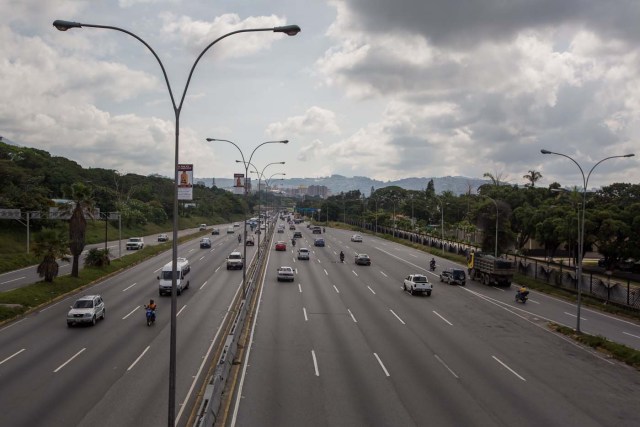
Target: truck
[
  {"x": 135, "y": 243},
  {"x": 165, "y": 283},
  {"x": 490, "y": 270},
  {"x": 417, "y": 284}
]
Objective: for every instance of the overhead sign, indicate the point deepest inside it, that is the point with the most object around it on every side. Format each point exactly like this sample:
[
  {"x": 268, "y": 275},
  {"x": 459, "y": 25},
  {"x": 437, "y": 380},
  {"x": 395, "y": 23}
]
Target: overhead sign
[
  {"x": 9, "y": 213},
  {"x": 185, "y": 182}
]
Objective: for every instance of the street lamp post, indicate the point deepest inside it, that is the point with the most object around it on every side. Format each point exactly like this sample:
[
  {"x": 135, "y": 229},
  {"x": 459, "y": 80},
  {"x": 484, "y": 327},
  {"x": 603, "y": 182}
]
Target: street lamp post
[
  {"x": 260, "y": 175},
  {"x": 585, "y": 182},
  {"x": 291, "y": 30},
  {"x": 246, "y": 197}
]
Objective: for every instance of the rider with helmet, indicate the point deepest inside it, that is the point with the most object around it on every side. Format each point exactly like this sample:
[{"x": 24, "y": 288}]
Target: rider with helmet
[{"x": 341, "y": 256}]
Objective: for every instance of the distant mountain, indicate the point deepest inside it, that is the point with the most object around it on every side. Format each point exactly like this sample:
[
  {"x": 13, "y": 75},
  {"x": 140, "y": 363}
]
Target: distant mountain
[
  {"x": 6, "y": 141},
  {"x": 338, "y": 183}
]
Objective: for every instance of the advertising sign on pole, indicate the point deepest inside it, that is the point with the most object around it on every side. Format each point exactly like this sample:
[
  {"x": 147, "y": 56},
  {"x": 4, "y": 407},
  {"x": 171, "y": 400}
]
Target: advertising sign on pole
[
  {"x": 238, "y": 183},
  {"x": 185, "y": 182}
]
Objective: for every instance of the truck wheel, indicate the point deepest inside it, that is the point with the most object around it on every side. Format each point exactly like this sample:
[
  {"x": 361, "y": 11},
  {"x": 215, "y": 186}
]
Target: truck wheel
[{"x": 428, "y": 293}]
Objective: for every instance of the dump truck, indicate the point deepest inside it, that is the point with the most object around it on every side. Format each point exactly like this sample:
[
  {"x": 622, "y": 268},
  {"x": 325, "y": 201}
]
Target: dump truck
[{"x": 490, "y": 270}]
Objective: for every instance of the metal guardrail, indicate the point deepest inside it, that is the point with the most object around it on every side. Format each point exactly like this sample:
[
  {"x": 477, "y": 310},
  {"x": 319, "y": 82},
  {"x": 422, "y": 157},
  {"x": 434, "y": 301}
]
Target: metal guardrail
[{"x": 207, "y": 414}]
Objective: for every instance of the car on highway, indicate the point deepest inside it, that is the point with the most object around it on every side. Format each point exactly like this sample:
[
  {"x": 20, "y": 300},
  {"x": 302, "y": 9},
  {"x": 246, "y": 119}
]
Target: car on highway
[
  {"x": 205, "y": 242},
  {"x": 362, "y": 259},
  {"x": 215, "y": 231},
  {"x": 86, "y": 310},
  {"x": 235, "y": 261},
  {"x": 318, "y": 242},
  {"x": 230, "y": 230},
  {"x": 236, "y": 224},
  {"x": 304, "y": 253},
  {"x": 297, "y": 234},
  {"x": 316, "y": 230},
  {"x": 356, "y": 238},
  {"x": 281, "y": 246},
  {"x": 203, "y": 227},
  {"x": 281, "y": 229},
  {"x": 417, "y": 284},
  {"x": 163, "y": 237},
  {"x": 249, "y": 241},
  {"x": 286, "y": 274},
  {"x": 454, "y": 276},
  {"x": 292, "y": 227}
]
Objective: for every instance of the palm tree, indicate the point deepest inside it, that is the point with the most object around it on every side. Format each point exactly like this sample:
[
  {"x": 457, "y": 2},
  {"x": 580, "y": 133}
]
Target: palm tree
[
  {"x": 83, "y": 204},
  {"x": 51, "y": 245},
  {"x": 532, "y": 177}
]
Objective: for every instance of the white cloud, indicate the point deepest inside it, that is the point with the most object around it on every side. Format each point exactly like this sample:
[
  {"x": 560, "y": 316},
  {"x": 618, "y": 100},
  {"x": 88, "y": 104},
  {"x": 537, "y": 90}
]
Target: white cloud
[{"x": 315, "y": 120}]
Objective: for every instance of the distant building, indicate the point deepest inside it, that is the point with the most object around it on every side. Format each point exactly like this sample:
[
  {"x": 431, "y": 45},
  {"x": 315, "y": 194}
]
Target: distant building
[{"x": 318, "y": 191}]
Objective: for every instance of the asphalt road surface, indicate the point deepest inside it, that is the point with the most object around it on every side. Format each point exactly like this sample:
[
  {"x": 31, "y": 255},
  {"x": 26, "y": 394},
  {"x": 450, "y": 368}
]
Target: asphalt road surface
[{"x": 344, "y": 345}]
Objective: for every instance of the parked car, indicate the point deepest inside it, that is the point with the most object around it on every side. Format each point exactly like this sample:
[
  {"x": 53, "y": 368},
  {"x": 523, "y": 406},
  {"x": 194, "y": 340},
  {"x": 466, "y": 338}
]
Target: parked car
[
  {"x": 87, "y": 309},
  {"x": 303, "y": 253},
  {"x": 281, "y": 246},
  {"x": 356, "y": 238},
  {"x": 318, "y": 242},
  {"x": 205, "y": 242},
  {"x": 286, "y": 274},
  {"x": 455, "y": 276},
  {"x": 363, "y": 259},
  {"x": 215, "y": 231},
  {"x": 163, "y": 237}
]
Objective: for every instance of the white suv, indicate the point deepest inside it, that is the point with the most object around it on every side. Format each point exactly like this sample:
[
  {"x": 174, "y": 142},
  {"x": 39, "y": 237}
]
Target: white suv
[
  {"x": 87, "y": 309},
  {"x": 235, "y": 261}
]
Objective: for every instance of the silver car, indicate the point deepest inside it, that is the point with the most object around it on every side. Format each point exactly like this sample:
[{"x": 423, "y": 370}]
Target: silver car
[
  {"x": 303, "y": 253},
  {"x": 87, "y": 309},
  {"x": 286, "y": 274}
]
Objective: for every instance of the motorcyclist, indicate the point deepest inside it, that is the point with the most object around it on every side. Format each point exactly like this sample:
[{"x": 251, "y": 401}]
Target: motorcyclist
[
  {"x": 323, "y": 230},
  {"x": 522, "y": 292},
  {"x": 432, "y": 264},
  {"x": 341, "y": 256},
  {"x": 239, "y": 238},
  {"x": 152, "y": 305},
  {"x": 293, "y": 242}
]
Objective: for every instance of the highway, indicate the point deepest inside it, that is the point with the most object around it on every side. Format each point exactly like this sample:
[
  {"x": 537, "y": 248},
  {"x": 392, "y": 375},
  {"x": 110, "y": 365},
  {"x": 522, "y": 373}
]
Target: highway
[
  {"x": 116, "y": 373},
  {"x": 343, "y": 345}
]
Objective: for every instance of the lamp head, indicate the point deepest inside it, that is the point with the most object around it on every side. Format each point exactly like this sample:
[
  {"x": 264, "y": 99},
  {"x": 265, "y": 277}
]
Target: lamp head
[
  {"x": 543, "y": 151},
  {"x": 65, "y": 25},
  {"x": 290, "y": 30},
  {"x": 629, "y": 155}
]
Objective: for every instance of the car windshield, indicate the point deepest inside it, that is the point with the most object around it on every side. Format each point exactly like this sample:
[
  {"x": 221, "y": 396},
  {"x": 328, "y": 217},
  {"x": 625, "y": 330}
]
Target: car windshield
[{"x": 83, "y": 303}]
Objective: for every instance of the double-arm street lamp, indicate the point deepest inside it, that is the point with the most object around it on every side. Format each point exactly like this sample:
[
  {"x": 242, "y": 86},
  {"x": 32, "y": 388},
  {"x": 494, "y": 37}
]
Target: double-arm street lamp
[
  {"x": 585, "y": 183},
  {"x": 260, "y": 178},
  {"x": 290, "y": 30},
  {"x": 246, "y": 164}
]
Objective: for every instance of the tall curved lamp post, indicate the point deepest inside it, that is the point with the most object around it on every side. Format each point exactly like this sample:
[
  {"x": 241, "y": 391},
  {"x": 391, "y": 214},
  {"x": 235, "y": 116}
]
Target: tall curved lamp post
[
  {"x": 246, "y": 197},
  {"x": 291, "y": 30},
  {"x": 260, "y": 176},
  {"x": 268, "y": 183},
  {"x": 585, "y": 183}
]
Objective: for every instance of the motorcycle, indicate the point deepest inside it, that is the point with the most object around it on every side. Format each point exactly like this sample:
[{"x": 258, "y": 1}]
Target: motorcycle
[
  {"x": 239, "y": 238},
  {"x": 341, "y": 257},
  {"x": 522, "y": 296},
  {"x": 432, "y": 266},
  {"x": 151, "y": 316},
  {"x": 293, "y": 242}
]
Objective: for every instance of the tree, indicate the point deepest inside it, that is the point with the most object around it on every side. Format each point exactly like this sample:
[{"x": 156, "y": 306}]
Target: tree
[
  {"x": 51, "y": 245},
  {"x": 532, "y": 177},
  {"x": 82, "y": 204}
]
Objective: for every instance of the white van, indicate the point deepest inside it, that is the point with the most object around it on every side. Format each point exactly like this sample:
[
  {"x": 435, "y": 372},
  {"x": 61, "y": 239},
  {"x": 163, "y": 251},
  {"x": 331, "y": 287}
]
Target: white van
[{"x": 182, "y": 268}]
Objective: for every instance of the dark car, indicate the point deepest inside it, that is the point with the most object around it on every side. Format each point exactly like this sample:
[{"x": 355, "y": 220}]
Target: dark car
[
  {"x": 363, "y": 259},
  {"x": 316, "y": 230},
  {"x": 205, "y": 242},
  {"x": 455, "y": 276},
  {"x": 249, "y": 241},
  {"x": 318, "y": 242},
  {"x": 297, "y": 235},
  {"x": 215, "y": 231}
]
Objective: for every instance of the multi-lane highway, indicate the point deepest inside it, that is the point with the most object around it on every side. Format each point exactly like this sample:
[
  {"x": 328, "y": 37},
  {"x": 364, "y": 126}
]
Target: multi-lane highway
[
  {"x": 343, "y": 345},
  {"x": 116, "y": 373}
]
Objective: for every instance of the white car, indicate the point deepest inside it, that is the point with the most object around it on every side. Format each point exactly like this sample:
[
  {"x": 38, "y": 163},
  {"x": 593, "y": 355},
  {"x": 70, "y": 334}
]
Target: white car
[
  {"x": 236, "y": 224},
  {"x": 303, "y": 253},
  {"x": 286, "y": 274},
  {"x": 356, "y": 238},
  {"x": 87, "y": 309}
]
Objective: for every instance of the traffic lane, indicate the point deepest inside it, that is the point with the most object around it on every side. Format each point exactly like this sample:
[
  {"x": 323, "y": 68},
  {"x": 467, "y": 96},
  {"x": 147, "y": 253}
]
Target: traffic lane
[
  {"x": 450, "y": 359},
  {"x": 299, "y": 353}
]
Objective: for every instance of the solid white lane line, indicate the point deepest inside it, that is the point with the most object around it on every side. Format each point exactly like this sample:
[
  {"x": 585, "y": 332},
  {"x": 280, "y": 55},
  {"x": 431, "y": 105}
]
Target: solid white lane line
[
  {"x": 510, "y": 370},
  {"x": 138, "y": 359},
  {"x": 436, "y": 313},
  {"x": 334, "y": 287},
  {"x": 183, "y": 307},
  {"x": 415, "y": 256},
  {"x": 574, "y": 315},
  {"x": 12, "y": 280},
  {"x": 445, "y": 365},
  {"x": 533, "y": 301},
  {"x": 315, "y": 363},
  {"x": 325, "y": 271},
  {"x": 159, "y": 268},
  {"x": 304, "y": 311},
  {"x": 352, "y": 316},
  {"x": 495, "y": 287},
  {"x": 299, "y": 288},
  {"x": 204, "y": 284},
  {"x": 382, "y": 365},
  {"x": 129, "y": 287},
  {"x": 631, "y": 335},
  {"x": 131, "y": 312},
  {"x": 15, "y": 323},
  {"x": 398, "y": 317},
  {"x": 382, "y": 272},
  {"x": 354, "y": 273},
  {"x": 372, "y": 291},
  {"x": 65, "y": 363},
  {"x": 12, "y": 356}
]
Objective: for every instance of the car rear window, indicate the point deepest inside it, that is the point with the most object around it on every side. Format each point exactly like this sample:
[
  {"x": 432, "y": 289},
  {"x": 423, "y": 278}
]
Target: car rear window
[{"x": 420, "y": 279}]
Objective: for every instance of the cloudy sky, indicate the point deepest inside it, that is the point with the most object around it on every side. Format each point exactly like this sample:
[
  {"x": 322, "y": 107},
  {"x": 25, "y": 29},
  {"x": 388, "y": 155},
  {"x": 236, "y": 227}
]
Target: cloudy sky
[{"x": 377, "y": 88}]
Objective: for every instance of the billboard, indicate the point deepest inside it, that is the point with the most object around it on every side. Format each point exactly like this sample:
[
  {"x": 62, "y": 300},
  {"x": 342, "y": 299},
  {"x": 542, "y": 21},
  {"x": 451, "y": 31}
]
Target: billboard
[
  {"x": 238, "y": 180},
  {"x": 185, "y": 182}
]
